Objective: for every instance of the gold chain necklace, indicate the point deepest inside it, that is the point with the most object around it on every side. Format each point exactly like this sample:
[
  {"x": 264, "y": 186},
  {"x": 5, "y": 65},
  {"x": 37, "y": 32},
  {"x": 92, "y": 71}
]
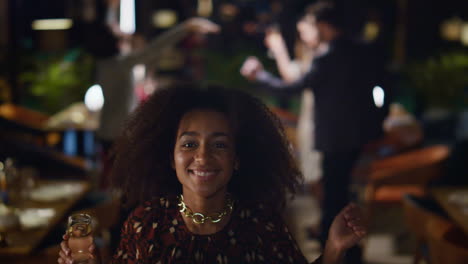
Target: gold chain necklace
[{"x": 199, "y": 218}]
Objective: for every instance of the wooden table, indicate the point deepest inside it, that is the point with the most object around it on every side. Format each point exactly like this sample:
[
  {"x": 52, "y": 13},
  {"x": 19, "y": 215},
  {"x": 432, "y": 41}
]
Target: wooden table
[
  {"x": 23, "y": 242},
  {"x": 454, "y": 210}
]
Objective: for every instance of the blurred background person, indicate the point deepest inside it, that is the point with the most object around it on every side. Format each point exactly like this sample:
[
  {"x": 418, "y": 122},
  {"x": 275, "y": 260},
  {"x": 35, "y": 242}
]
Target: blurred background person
[
  {"x": 306, "y": 47},
  {"x": 345, "y": 118}
]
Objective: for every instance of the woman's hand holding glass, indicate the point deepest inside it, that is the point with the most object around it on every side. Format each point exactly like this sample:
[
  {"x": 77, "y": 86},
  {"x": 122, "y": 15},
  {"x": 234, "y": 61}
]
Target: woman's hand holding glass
[
  {"x": 78, "y": 243},
  {"x": 65, "y": 253}
]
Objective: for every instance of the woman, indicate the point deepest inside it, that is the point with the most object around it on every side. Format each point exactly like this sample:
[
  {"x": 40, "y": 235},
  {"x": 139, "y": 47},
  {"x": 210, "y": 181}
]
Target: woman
[
  {"x": 307, "y": 47},
  {"x": 209, "y": 171}
]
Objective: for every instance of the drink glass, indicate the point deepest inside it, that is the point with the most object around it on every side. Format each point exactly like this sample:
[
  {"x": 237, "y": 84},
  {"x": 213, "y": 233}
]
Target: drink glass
[{"x": 80, "y": 237}]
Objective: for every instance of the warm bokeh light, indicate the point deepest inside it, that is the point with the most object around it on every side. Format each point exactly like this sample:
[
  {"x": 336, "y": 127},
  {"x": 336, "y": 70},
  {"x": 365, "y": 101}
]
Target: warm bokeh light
[
  {"x": 52, "y": 24},
  {"x": 164, "y": 18},
  {"x": 94, "y": 98},
  {"x": 450, "y": 29},
  {"x": 53, "y": 139},
  {"x": 371, "y": 31},
  {"x": 464, "y": 34},
  {"x": 228, "y": 12},
  {"x": 205, "y": 8}
]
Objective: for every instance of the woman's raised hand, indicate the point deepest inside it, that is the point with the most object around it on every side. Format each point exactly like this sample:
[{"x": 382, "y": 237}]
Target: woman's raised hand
[
  {"x": 275, "y": 42},
  {"x": 348, "y": 228}
]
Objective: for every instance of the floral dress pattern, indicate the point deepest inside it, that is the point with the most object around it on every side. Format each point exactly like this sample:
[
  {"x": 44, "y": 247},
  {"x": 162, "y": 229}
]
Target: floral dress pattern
[{"x": 156, "y": 233}]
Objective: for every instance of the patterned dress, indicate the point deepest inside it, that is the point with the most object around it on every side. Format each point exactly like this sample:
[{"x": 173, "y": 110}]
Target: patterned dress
[{"x": 156, "y": 233}]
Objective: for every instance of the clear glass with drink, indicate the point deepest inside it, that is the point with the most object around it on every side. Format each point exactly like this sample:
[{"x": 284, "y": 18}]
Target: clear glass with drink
[{"x": 80, "y": 237}]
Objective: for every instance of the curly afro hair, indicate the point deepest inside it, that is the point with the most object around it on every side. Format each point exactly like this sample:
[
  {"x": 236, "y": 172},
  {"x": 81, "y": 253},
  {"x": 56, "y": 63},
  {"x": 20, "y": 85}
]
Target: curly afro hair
[{"x": 144, "y": 152}]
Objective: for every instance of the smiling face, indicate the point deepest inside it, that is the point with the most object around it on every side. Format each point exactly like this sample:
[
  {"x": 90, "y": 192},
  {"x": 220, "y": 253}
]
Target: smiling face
[{"x": 204, "y": 153}]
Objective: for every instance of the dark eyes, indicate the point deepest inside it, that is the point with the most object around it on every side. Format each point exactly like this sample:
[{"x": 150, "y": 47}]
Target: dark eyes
[
  {"x": 189, "y": 145},
  {"x": 218, "y": 145}
]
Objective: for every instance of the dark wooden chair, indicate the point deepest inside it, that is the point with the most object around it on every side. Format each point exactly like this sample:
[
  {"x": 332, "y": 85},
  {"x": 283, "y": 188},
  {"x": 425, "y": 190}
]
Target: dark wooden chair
[
  {"x": 388, "y": 179},
  {"x": 447, "y": 243},
  {"x": 418, "y": 212}
]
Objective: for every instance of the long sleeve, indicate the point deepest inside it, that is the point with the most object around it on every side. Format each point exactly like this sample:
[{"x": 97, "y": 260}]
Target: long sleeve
[
  {"x": 311, "y": 79},
  {"x": 156, "y": 46}
]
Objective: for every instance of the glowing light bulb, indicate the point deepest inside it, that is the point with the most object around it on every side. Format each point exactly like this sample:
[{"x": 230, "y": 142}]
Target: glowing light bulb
[
  {"x": 379, "y": 96},
  {"x": 94, "y": 99},
  {"x": 127, "y": 16},
  {"x": 52, "y": 24}
]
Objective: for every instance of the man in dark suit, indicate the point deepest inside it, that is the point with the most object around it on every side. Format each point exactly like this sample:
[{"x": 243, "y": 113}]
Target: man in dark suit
[{"x": 342, "y": 80}]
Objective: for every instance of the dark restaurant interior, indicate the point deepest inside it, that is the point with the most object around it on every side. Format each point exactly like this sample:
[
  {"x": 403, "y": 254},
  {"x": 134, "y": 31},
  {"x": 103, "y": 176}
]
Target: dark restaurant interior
[{"x": 61, "y": 59}]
